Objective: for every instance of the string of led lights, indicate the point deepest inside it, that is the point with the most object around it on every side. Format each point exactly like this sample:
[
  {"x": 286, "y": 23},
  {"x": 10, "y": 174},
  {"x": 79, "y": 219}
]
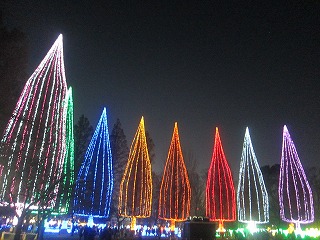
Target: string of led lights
[
  {"x": 34, "y": 139},
  {"x": 175, "y": 190},
  {"x": 252, "y": 196},
  {"x": 220, "y": 192},
  {"x": 1, "y": 169},
  {"x": 295, "y": 194},
  {"x": 135, "y": 195},
  {"x": 66, "y": 184},
  {"x": 94, "y": 183}
]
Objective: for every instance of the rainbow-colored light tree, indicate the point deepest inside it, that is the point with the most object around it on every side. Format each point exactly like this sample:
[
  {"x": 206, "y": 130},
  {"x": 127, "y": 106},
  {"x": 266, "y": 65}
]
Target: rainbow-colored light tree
[
  {"x": 67, "y": 181},
  {"x": 252, "y": 196},
  {"x": 94, "y": 183},
  {"x": 175, "y": 191},
  {"x": 33, "y": 146},
  {"x": 135, "y": 197},
  {"x": 295, "y": 194},
  {"x": 220, "y": 192}
]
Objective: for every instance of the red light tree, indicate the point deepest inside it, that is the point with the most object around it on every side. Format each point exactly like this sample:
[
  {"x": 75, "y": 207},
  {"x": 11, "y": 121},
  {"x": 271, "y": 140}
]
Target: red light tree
[
  {"x": 175, "y": 191},
  {"x": 220, "y": 192}
]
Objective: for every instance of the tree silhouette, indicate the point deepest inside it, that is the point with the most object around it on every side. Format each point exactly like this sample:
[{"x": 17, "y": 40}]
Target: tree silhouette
[
  {"x": 197, "y": 184},
  {"x": 271, "y": 179},
  {"x": 313, "y": 174},
  {"x": 151, "y": 147},
  {"x": 13, "y": 70},
  {"x": 82, "y": 135},
  {"x": 156, "y": 182},
  {"x": 120, "y": 152}
]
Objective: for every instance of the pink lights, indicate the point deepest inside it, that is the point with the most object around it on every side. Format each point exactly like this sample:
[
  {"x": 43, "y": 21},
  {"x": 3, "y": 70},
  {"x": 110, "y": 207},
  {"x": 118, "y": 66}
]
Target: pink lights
[{"x": 34, "y": 139}]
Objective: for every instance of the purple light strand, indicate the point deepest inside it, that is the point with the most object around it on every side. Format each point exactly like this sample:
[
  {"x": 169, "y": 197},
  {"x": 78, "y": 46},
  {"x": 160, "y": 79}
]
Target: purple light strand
[{"x": 294, "y": 187}]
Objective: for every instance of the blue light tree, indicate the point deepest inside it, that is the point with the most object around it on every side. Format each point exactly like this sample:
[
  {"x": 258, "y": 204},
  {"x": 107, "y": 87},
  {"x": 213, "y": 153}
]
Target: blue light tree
[{"x": 94, "y": 183}]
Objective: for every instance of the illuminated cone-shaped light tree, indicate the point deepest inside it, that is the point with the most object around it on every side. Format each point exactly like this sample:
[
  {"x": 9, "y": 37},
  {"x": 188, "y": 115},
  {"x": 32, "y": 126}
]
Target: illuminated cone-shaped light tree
[
  {"x": 220, "y": 192},
  {"x": 66, "y": 185},
  {"x": 135, "y": 197},
  {"x": 295, "y": 194},
  {"x": 33, "y": 144},
  {"x": 94, "y": 183},
  {"x": 252, "y": 196},
  {"x": 175, "y": 191}
]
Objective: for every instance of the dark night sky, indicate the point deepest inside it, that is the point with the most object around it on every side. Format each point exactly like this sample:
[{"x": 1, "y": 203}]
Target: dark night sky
[{"x": 203, "y": 65}]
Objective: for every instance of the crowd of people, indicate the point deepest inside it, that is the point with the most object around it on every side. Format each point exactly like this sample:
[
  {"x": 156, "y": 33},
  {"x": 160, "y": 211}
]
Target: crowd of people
[{"x": 107, "y": 233}]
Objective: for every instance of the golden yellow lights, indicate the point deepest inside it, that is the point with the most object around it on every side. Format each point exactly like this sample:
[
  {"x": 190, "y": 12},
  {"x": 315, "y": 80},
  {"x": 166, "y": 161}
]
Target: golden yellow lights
[
  {"x": 133, "y": 223},
  {"x": 136, "y": 185},
  {"x": 291, "y": 228}
]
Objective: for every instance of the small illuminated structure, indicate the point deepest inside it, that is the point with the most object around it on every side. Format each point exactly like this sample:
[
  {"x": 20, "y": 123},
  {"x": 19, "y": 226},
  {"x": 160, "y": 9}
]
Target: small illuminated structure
[
  {"x": 221, "y": 229},
  {"x": 94, "y": 184},
  {"x": 252, "y": 227},
  {"x": 291, "y": 228},
  {"x": 135, "y": 197},
  {"x": 252, "y": 196},
  {"x": 220, "y": 192},
  {"x": 175, "y": 190},
  {"x": 295, "y": 194}
]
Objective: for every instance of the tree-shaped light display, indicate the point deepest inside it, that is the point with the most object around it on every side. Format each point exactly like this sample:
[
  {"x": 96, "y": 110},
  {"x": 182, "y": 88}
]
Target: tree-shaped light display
[
  {"x": 295, "y": 194},
  {"x": 95, "y": 178},
  {"x": 135, "y": 197},
  {"x": 252, "y": 196},
  {"x": 220, "y": 192},
  {"x": 175, "y": 190},
  {"x": 67, "y": 181},
  {"x": 33, "y": 144}
]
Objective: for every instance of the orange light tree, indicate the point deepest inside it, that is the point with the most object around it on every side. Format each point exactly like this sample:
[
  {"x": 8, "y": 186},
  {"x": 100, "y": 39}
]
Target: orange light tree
[
  {"x": 135, "y": 198},
  {"x": 175, "y": 191},
  {"x": 220, "y": 192}
]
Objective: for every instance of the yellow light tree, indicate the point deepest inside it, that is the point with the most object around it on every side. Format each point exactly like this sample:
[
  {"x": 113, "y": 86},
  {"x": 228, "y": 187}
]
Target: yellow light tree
[
  {"x": 175, "y": 191},
  {"x": 135, "y": 198}
]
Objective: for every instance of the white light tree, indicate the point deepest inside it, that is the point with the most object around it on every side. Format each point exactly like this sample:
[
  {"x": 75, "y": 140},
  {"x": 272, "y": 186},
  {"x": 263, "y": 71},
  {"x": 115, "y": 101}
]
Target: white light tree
[{"x": 252, "y": 196}]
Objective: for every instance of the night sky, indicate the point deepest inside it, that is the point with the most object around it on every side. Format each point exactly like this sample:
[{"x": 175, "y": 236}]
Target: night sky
[{"x": 203, "y": 65}]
